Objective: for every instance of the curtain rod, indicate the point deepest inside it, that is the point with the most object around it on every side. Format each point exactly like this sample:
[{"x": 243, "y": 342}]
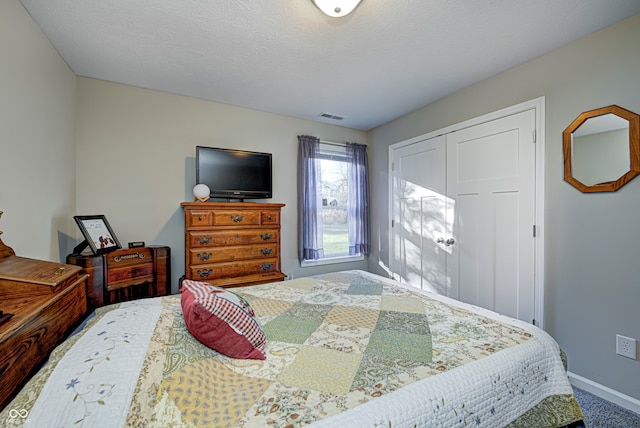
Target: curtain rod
[{"x": 333, "y": 143}]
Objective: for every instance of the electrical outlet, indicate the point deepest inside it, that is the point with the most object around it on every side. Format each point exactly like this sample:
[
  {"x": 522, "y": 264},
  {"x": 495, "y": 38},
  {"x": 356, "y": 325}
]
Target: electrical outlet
[{"x": 626, "y": 346}]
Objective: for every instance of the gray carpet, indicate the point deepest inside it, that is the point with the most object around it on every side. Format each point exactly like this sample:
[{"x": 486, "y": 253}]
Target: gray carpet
[{"x": 599, "y": 413}]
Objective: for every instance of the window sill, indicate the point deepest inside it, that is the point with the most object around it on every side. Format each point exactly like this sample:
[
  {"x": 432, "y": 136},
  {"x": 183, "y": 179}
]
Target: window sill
[{"x": 332, "y": 260}]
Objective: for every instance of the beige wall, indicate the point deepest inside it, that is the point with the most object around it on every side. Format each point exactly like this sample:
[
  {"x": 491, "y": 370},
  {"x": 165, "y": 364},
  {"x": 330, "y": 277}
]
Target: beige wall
[
  {"x": 136, "y": 161},
  {"x": 592, "y": 287},
  {"x": 37, "y": 147}
]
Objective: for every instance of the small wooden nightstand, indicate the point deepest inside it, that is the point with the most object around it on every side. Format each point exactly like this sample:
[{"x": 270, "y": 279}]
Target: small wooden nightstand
[
  {"x": 47, "y": 301},
  {"x": 125, "y": 274}
]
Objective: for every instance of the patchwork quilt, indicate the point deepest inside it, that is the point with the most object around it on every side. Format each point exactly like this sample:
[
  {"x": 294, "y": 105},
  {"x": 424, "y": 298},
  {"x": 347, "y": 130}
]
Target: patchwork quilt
[{"x": 343, "y": 349}]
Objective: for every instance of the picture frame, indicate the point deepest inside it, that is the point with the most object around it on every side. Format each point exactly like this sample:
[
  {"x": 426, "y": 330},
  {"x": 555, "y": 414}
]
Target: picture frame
[{"x": 97, "y": 233}]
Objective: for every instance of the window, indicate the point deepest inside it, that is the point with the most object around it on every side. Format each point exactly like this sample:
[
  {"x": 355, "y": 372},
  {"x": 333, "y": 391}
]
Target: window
[{"x": 333, "y": 194}]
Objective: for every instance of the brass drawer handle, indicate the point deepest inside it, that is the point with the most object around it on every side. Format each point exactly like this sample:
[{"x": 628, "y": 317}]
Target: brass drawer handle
[
  {"x": 269, "y": 217},
  {"x": 204, "y": 273},
  {"x": 199, "y": 218},
  {"x": 204, "y": 256},
  {"x": 266, "y": 251},
  {"x": 204, "y": 240},
  {"x": 118, "y": 259},
  {"x": 237, "y": 218},
  {"x": 266, "y": 266},
  {"x": 266, "y": 236}
]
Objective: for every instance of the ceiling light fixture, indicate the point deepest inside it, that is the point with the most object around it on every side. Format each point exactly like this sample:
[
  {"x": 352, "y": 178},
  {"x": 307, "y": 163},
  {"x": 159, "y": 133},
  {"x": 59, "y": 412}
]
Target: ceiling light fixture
[{"x": 336, "y": 8}]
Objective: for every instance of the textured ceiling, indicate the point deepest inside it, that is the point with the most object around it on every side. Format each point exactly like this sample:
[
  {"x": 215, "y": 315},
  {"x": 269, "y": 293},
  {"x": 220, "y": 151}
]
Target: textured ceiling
[{"x": 386, "y": 59}]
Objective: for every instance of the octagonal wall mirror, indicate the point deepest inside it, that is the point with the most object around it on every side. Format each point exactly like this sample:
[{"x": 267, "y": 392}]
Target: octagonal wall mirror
[{"x": 601, "y": 149}]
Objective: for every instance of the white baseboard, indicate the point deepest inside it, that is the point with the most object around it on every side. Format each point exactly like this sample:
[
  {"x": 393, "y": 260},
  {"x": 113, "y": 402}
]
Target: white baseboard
[{"x": 602, "y": 391}]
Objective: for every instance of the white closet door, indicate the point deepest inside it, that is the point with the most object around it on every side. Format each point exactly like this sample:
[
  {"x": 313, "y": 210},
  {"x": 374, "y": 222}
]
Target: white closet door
[
  {"x": 463, "y": 210},
  {"x": 419, "y": 212},
  {"x": 491, "y": 179}
]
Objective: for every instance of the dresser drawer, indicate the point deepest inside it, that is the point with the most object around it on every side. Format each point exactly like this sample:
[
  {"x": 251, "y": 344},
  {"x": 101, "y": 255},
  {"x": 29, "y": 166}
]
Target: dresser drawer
[
  {"x": 232, "y": 269},
  {"x": 226, "y": 254},
  {"x": 199, "y": 218},
  {"x": 204, "y": 218},
  {"x": 236, "y": 218},
  {"x": 270, "y": 217},
  {"x": 221, "y": 238}
]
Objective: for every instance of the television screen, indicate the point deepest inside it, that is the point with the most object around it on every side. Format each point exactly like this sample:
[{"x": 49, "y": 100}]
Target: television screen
[{"x": 234, "y": 174}]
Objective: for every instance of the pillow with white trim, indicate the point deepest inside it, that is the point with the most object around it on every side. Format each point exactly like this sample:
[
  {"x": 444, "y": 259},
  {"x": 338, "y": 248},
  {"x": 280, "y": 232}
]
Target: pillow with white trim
[{"x": 222, "y": 320}]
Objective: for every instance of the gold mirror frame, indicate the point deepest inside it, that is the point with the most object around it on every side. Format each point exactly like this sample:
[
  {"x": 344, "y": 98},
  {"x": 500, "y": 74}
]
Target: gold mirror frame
[{"x": 634, "y": 149}]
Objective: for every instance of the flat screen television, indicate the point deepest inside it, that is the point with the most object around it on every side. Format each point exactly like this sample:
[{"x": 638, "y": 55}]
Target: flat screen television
[{"x": 234, "y": 174}]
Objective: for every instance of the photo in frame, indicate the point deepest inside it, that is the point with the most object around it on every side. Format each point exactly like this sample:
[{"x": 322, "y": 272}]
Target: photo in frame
[{"x": 97, "y": 233}]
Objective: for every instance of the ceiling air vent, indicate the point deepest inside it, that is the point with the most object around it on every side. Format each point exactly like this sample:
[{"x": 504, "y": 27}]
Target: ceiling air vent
[{"x": 330, "y": 116}]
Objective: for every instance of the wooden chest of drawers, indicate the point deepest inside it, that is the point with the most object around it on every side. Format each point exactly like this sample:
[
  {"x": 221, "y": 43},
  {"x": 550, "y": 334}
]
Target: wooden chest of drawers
[
  {"x": 47, "y": 301},
  {"x": 232, "y": 243}
]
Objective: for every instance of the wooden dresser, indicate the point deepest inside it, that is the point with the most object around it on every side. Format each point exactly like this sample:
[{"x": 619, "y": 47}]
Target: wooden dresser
[
  {"x": 125, "y": 274},
  {"x": 47, "y": 301},
  {"x": 232, "y": 243}
]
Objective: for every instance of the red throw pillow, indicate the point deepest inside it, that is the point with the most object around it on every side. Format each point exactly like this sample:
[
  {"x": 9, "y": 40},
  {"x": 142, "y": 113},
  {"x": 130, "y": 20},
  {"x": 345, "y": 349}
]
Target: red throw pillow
[{"x": 222, "y": 320}]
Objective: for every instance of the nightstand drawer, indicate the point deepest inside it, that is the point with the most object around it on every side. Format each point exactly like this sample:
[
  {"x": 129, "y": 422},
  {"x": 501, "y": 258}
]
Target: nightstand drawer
[
  {"x": 130, "y": 257},
  {"x": 129, "y": 275},
  {"x": 129, "y": 267}
]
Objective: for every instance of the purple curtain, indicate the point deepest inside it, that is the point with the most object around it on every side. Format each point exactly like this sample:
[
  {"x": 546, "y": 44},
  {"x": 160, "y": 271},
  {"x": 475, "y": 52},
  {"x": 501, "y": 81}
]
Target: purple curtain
[
  {"x": 309, "y": 204},
  {"x": 358, "y": 204}
]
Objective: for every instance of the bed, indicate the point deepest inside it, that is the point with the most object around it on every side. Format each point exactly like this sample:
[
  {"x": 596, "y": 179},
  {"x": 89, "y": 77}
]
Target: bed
[{"x": 342, "y": 349}]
